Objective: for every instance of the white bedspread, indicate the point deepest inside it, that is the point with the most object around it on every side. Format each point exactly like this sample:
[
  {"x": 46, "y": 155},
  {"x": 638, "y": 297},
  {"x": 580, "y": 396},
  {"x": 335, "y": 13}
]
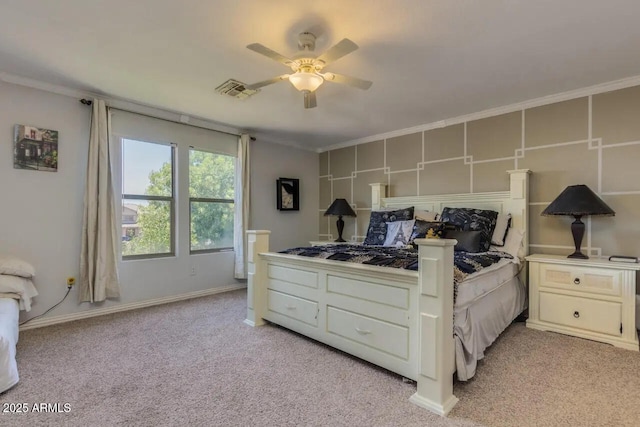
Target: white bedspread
[{"x": 9, "y": 311}]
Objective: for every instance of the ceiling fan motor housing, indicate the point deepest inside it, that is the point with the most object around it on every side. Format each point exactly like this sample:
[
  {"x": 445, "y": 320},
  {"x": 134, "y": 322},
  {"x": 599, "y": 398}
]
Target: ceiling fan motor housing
[{"x": 306, "y": 41}]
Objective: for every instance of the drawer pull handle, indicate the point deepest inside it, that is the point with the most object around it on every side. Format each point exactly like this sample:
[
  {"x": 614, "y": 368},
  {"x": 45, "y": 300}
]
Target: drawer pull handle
[
  {"x": 576, "y": 281},
  {"x": 291, "y": 307},
  {"x": 362, "y": 331},
  {"x": 576, "y": 314}
]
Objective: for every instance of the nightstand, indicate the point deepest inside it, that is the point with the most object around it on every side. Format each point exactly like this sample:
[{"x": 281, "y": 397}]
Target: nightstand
[{"x": 588, "y": 298}]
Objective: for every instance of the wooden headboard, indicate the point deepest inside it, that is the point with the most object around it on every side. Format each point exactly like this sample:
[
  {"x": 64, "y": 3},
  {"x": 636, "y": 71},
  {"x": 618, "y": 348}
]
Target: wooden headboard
[{"x": 515, "y": 201}]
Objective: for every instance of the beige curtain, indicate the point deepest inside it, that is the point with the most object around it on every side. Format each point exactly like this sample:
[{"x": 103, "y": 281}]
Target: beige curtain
[
  {"x": 98, "y": 258},
  {"x": 241, "y": 220}
]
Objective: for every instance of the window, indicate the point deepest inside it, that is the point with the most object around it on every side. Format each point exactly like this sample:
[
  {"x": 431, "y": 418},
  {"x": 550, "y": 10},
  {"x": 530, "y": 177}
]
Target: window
[
  {"x": 211, "y": 200},
  {"x": 147, "y": 199},
  {"x": 167, "y": 207}
]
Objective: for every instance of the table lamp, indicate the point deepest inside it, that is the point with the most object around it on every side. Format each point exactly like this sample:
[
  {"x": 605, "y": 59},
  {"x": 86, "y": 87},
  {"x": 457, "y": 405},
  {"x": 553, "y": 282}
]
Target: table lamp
[
  {"x": 578, "y": 200},
  {"x": 340, "y": 207}
]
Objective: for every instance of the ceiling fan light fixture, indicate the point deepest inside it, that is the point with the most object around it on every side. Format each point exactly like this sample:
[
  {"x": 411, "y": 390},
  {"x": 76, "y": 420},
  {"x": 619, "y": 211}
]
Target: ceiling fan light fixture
[{"x": 306, "y": 81}]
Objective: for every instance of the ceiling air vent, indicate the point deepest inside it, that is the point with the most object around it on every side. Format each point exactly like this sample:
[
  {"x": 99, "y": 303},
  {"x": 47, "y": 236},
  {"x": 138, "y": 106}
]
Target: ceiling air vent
[{"x": 235, "y": 89}]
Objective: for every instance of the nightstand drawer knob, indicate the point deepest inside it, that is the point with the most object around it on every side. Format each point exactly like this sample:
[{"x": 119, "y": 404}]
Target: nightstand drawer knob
[
  {"x": 576, "y": 281},
  {"x": 576, "y": 314}
]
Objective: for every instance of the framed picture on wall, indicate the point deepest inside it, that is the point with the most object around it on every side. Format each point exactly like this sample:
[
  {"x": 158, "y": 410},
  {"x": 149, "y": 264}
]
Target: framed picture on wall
[
  {"x": 287, "y": 194},
  {"x": 35, "y": 148}
]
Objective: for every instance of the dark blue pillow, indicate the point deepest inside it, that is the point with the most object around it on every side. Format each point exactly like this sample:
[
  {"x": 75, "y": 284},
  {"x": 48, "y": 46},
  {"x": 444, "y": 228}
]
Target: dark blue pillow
[
  {"x": 421, "y": 228},
  {"x": 377, "y": 231},
  {"x": 467, "y": 219}
]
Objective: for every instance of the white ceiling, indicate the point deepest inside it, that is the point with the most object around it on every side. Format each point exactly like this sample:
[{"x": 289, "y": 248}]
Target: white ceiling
[{"x": 428, "y": 59}]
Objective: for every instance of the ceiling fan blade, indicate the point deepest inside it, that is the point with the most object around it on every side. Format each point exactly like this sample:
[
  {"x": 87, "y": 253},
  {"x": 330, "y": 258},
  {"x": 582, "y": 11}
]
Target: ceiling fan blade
[
  {"x": 310, "y": 99},
  {"x": 337, "y": 51},
  {"x": 267, "y": 82},
  {"x": 348, "y": 80},
  {"x": 263, "y": 50}
]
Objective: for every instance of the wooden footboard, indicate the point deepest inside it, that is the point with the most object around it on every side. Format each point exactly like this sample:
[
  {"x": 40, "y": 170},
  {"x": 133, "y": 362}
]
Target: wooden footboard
[{"x": 398, "y": 319}]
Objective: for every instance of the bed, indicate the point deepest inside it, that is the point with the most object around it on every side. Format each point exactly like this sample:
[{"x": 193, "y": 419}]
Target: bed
[
  {"x": 16, "y": 292},
  {"x": 9, "y": 311},
  {"x": 399, "y": 319}
]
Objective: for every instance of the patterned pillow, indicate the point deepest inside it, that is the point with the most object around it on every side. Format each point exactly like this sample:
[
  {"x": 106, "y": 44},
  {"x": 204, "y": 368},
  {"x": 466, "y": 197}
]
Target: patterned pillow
[
  {"x": 377, "y": 230},
  {"x": 421, "y": 228},
  {"x": 467, "y": 219},
  {"x": 502, "y": 226},
  {"x": 398, "y": 233}
]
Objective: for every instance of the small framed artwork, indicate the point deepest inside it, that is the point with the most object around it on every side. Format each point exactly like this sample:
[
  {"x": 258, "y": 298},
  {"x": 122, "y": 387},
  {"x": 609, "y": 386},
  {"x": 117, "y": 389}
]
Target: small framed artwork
[
  {"x": 35, "y": 148},
  {"x": 287, "y": 194}
]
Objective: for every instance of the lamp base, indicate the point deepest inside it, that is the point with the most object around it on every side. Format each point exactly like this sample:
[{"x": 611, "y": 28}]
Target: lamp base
[
  {"x": 579, "y": 255},
  {"x": 577, "y": 230},
  {"x": 340, "y": 226}
]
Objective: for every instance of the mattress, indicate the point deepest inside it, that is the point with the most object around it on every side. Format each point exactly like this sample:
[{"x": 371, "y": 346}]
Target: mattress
[
  {"x": 484, "y": 281},
  {"x": 9, "y": 312}
]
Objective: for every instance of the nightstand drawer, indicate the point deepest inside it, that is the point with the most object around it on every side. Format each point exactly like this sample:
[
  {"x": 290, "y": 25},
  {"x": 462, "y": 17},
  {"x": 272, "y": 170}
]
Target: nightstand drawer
[
  {"x": 582, "y": 313},
  {"x": 582, "y": 279}
]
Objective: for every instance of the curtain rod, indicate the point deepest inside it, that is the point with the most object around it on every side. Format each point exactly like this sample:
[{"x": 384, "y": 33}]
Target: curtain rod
[{"x": 90, "y": 102}]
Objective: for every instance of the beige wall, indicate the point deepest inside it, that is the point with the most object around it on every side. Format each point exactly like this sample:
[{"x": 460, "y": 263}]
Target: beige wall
[
  {"x": 592, "y": 140},
  {"x": 268, "y": 163}
]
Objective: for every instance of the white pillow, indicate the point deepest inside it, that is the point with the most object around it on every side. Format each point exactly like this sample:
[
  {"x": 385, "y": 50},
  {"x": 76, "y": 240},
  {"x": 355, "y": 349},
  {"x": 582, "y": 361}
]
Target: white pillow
[
  {"x": 21, "y": 286},
  {"x": 500, "y": 232},
  {"x": 15, "y": 267},
  {"x": 426, "y": 215},
  {"x": 399, "y": 233},
  {"x": 11, "y": 295},
  {"x": 512, "y": 244}
]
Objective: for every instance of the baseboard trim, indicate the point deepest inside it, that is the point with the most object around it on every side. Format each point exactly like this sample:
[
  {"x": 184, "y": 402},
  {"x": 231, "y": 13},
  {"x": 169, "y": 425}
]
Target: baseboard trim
[{"x": 54, "y": 320}]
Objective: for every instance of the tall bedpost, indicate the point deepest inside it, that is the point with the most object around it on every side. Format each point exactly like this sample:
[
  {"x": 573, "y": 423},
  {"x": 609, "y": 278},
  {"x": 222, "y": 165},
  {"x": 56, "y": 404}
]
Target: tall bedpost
[
  {"x": 258, "y": 242},
  {"x": 518, "y": 203},
  {"x": 435, "y": 311},
  {"x": 378, "y": 192}
]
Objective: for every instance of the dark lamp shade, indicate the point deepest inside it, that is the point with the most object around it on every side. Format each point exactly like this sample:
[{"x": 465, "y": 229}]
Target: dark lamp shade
[
  {"x": 340, "y": 207},
  {"x": 578, "y": 200}
]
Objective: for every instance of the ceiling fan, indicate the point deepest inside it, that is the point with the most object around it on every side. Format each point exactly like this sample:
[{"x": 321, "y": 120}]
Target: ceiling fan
[{"x": 306, "y": 67}]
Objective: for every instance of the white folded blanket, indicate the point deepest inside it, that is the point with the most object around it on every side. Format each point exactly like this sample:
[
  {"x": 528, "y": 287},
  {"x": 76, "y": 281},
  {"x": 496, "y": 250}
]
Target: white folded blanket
[{"x": 19, "y": 286}]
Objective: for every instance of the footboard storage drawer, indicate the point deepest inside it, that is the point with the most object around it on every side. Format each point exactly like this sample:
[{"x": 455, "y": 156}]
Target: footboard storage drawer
[
  {"x": 582, "y": 313},
  {"x": 293, "y": 307},
  {"x": 377, "y": 334}
]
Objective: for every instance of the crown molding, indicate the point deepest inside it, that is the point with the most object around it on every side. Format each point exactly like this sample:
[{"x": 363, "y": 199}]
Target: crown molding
[
  {"x": 119, "y": 102},
  {"x": 291, "y": 144},
  {"x": 47, "y": 87},
  {"x": 137, "y": 107},
  {"x": 532, "y": 103}
]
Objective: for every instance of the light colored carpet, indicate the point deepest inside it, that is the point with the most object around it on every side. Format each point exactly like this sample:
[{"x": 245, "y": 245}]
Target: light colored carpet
[{"x": 195, "y": 363}]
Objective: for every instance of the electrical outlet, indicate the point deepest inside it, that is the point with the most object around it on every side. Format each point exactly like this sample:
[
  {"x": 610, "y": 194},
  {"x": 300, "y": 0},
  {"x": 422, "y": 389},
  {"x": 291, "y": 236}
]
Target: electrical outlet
[
  {"x": 193, "y": 270},
  {"x": 71, "y": 281}
]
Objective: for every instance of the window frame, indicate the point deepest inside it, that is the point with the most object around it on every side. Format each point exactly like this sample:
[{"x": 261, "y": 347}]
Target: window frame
[
  {"x": 210, "y": 200},
  {"x": 170, "y": 199}
]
